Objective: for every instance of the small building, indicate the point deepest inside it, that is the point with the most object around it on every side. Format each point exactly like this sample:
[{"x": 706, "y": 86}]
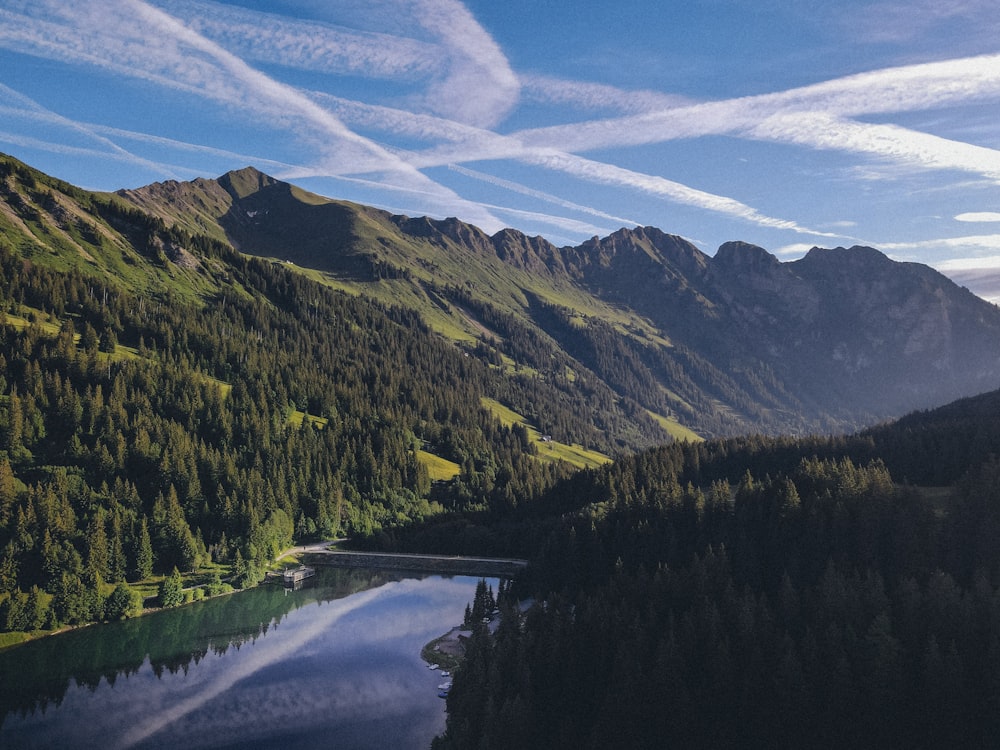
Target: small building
[{"x": 297, "y": 575}]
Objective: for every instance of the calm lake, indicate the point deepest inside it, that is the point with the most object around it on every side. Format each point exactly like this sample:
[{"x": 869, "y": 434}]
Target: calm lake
[{"x": 334, "y": 664}]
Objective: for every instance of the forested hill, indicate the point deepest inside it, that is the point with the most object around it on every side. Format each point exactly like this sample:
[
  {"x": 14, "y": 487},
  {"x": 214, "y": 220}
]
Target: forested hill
[
  {"x": 167, "y": 402},
  {"x": 729, "y": 344},
  {"x": 755, "y": 593}
]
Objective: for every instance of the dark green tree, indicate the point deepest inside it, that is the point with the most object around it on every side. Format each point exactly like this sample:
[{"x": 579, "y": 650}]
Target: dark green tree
[
  {"x": 122, "y": 603},
  {"x": 142, "y": 553},
  {"x": 171, "y": 590}
]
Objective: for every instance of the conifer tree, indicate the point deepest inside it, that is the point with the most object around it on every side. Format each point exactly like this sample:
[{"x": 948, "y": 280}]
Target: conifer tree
[
  {"x": 171, "y": 590},
  {"x": 142, "y": 553}
]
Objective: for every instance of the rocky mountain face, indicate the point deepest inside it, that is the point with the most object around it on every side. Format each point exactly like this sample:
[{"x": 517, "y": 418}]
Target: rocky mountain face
[{"x": 734, "y": 342}]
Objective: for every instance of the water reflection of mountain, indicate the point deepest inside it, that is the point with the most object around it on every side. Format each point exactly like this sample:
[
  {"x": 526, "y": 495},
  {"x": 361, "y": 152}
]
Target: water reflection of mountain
[{"x": 38, "y": 674}]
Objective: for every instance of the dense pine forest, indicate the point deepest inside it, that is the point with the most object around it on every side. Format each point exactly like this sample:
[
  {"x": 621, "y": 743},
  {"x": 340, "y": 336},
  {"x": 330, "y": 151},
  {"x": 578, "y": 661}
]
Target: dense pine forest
[
  {"x": 145, "y": 432},
  {"x": 758, "y": 593}
]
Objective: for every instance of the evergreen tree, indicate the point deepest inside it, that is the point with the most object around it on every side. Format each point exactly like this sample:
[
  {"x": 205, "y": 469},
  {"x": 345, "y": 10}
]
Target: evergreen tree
[
  {"x": 142, "y": 553},
  {"x": 171, "y": 591},
  {"x": 8, "y": 492}
]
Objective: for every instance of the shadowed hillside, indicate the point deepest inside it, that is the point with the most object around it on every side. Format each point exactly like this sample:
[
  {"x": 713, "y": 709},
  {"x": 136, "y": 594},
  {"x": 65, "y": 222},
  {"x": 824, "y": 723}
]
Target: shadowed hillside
[{"x": 727, "y": 344}]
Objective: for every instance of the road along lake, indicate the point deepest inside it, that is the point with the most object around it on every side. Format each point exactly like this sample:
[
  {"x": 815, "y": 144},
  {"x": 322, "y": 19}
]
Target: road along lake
[{"x": 333, "y": 664}]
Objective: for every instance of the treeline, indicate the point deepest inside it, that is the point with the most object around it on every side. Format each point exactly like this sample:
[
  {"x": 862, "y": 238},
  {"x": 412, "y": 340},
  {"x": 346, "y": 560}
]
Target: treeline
[
  {"x": 569, "y": 402},
  {"x": 641, "y": 371},
  {"x": 808, "y": 602},
  {"x": 140, "y": 432},
  {"x": 623, "y": 377}
]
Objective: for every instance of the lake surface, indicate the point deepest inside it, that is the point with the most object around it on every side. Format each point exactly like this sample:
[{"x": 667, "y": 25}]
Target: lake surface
[{"x": 335, "y": 664}]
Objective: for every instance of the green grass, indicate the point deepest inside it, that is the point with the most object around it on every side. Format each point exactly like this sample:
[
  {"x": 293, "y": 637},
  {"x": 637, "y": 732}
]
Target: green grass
[
  {"x": 298, "y": 417},
  {"x": 507, "y": 416},
  {"x": 439, "y": 469},
  {"x": 675, "y": 428},
  {"x": 548, "y": 450},
  {"x": 431, "y": 655},
  {"x": 438, "y": 264},
  {"x": 14, "y": 639},
  {"x": 574, "y": 454},
  {"x": 224, "y": 387},
  {"x": 41, "y": 319},
  {"x": 308, "y": 198},
  {"x": 121, "y": 352}
]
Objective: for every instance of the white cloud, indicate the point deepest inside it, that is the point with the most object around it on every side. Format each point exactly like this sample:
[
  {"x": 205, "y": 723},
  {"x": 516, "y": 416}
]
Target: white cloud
[
  {"x": 33, "y": 112},
  {"x": 980, "y": 274},
  {"x": 308, "y": 45},
  {"x": 424, "y": 127},
  {"x": 458, "y": 84},
  {"x": 66, "y": 150},
  {"x": 979, "y": 242},
  {"x": 979, "y": 216},
  {"x": 900, "y": 145},
  {"x": 561, "y": 223},
  {"x": 794, "y": 250},
  {"x": 139, "y": 40},
  {"x": 469, "y": 77},
  {"x": 813, "y": 115},
  {"x": 596, "y": 96},
  {"x": 475, "y": 144},
  {"x": 548, "y": 198},
  {"x": 609, "y": 174},
  {"x": 479, "y": 88}
]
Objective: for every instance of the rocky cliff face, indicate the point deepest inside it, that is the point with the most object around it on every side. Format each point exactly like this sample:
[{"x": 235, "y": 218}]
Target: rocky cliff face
[{"x": 842, "y": 328}]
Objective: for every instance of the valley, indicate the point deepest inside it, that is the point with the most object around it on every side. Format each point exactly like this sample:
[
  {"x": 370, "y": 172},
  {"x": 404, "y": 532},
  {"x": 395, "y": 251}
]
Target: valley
[{"x": 770, "y": 484}]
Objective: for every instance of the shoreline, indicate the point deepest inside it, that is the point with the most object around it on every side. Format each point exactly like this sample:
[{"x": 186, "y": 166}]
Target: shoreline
[
  {"x": 27, "y": 636},
  {"x": 446, "y": 650}
]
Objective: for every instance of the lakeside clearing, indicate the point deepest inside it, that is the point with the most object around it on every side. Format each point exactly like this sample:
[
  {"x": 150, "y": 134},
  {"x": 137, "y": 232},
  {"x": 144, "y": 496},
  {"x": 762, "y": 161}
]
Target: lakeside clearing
[{"x": 447, "y": 650}]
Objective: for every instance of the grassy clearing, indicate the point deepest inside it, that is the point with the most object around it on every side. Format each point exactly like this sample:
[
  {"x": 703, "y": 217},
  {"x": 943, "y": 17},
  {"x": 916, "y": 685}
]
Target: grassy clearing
[
  {"x": 676, "y": 429},
  {"x": 439, "y": 469},
  {"x": 13, "y": 639},
  {"x": 548, "y": 450},
  {"x": 40, "y": 318},
  {"x": 447, "y": 322},
  {"x": 506, "y": 416},
  {"x": 297, "y": 418},
  {"x": 442, "y": 651},
  {"x": 574, "y": 454},
  {"x": 224, "y": 387}
]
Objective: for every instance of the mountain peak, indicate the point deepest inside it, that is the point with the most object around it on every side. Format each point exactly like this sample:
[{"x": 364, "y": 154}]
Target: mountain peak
[
  {"x": 531, "y": 253},
  {"x": 857, "y": 256},
  {"x": 744, "y": 256},
  {"x": 658, "y": 246},
  {"x": 243, "y": 182}
]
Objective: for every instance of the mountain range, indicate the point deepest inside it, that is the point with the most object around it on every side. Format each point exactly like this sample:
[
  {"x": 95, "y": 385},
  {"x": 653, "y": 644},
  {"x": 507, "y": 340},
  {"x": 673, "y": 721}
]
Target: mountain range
[
  {"x": 641, "y": 328},
  {"x": 732, "y": 343}
]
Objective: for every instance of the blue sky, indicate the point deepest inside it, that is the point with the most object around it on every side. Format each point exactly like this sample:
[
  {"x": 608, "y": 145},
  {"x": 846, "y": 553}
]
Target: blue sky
[{"x": 784, "y": 123}]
